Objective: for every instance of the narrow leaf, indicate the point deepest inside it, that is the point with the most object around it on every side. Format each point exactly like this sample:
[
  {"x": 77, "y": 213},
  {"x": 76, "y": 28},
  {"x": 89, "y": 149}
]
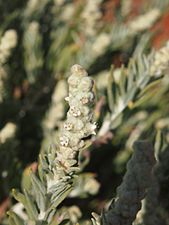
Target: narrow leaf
[
  {"x": 14, "y": 218},
  {"x": 30, "y": 207}
]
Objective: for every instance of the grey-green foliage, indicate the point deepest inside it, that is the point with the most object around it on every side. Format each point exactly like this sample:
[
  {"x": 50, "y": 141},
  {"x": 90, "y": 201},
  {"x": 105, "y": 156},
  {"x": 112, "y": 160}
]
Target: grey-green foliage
[
  {"x": 59, "y": 166},
  {"x": 40, "y": 203},
  {"x": 33, "y": 54},
  {"x": 60, "y": 54},
  {"x": 34, "y": 10},
  {"x": 130, "y": 89},
  {"x": 8, "y": 42},
  {"x": 121, "y": 94}
]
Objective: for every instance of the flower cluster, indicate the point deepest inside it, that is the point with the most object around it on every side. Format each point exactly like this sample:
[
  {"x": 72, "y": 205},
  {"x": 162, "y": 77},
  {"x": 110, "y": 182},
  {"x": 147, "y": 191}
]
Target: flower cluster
[
  {"x": 8, "y": 41},
  {"x": 91, "y": 15},
  {"x": 161, "y": 61},
  {"x": 144, "y": 21},
  {"x": 78, "y": 124},
  {"x": 7, "y": 132}
]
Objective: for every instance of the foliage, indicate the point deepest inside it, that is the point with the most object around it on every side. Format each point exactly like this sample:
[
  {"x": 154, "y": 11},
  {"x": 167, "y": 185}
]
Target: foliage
[{"x": 85, "y": 142}]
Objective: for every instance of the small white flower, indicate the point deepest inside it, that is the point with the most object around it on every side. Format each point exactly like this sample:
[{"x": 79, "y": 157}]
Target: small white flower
[
  {"x": 68, "y": 126},
  {"x": 86, "y": 98},
  {"x": 64, "y": 141},
  {"x": 75, "y": 111}
]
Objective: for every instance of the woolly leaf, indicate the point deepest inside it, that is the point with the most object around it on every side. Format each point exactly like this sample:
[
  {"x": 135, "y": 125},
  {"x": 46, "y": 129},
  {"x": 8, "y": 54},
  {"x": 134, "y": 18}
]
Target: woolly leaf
[
  {"x": 14, "y": 218},
  {"x": 19, "y": 196},
  {"x": 39, "y": 192},
  {"x": 30, "y": 207},
  {"x": 59, "y": 198}
]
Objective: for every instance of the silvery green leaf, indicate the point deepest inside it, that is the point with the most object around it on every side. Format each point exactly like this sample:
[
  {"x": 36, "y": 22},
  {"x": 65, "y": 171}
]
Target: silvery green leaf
[
  {"x": 130, "y": 94},
  {"x": 11, "y": 221},
  {"x": 44, "y": 162},
  {"x": 115, "y": 123},
  {"x": 51, "y": 156},
  {"x": 39, "y": 192},
  {"x": 55, "y": 187},
  {"x": 147, "y": 93},
  {"x": 122, "y": 82},
  {"x": 60, "y": 197},
  {"x": 27, "y": 202},
  {"x": 30, "y": 207},
  {"x": 160, "y": 144},
  {"x": 59, "y": 192},
  {"x": 96, "y": 220},
  {"x": 143, "y": 44},
  {"x": 19, "y": 196},
  {"x": 38, "y": 183},
  {"x": 49, "y": 216},
  {"x": 14, "y": 218},
  {"x": 130, "y": 76},
  {"x": 41, "y": 169},
  {"x": 109, "y": 90}
]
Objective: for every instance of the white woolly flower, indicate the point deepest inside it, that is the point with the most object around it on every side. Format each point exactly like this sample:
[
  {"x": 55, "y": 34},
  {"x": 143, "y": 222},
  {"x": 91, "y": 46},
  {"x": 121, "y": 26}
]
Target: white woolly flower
[
  {"x": 145, "y": 21},
  {"x": 90, "y": 16},
  {"x": 68, "y": 126},
  {"x": 75, "y": 111},
  {"x": 78, "y": 124},
  {"x": 7, "y": 132},
  {"x": 101, "y": 43},
  {"x": 161, "y": 61},
  {"x": 68, "y": 12},
  {"x": 64, "y": 141},
  {"x": 7, "y": 42}
]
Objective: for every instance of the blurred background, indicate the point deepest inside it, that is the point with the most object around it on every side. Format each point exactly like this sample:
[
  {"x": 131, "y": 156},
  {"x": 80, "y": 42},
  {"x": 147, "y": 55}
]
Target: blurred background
[{"x": 39, "y": 41}]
